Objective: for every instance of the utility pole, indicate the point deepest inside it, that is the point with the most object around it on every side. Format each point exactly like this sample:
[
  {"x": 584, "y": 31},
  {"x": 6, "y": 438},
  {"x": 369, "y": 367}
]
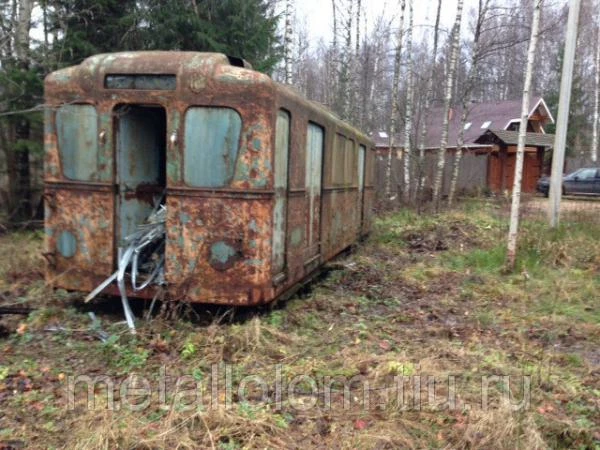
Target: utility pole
[{"x": 562, "y": 122}]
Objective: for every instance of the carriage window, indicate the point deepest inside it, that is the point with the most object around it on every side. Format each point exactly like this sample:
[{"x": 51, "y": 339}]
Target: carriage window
[
  {"x": 77, "y": 133},
  {"x": 140, "y": 81},
  {"x": 212, "y": 137}
]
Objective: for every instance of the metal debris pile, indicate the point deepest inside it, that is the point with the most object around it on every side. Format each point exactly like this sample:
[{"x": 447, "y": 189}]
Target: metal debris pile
[{"x": 144, "y": 256}]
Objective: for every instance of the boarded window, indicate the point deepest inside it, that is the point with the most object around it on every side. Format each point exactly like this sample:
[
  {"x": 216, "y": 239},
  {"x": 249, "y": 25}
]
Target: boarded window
[
  {"x": 77, "y": 132},
  {"x": 212, "y": 137},
  {"x": 361, "y": 167},
  {"x": 338, "y": 160},
  {"x": 349, "y": 163}
]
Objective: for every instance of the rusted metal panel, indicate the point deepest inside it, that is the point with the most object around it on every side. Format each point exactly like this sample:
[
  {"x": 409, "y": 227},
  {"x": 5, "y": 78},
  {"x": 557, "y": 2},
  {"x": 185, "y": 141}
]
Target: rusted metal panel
[
  {"x": 218, "y": 246},
  {"x": 281, "y": 156},
  {"x": 314, "y": 150},
  {"x": 79, "y": 233}
]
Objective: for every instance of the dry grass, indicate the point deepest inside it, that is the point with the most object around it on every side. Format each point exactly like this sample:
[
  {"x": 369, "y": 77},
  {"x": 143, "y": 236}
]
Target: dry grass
[{"x": 425, "y": 296}]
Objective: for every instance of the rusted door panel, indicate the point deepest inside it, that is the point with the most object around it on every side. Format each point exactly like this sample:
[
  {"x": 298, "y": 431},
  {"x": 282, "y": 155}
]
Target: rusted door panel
[
  {"x": 79, "y": 235},
  {"x": 369, "y": 194},
  {"x": 362, "y": 150},
  {"x": 282, "y": 139},
  {"x": 314, "y": 168},
  {"x": 369, "y": 203},
  {"x": 219, "y": 246},
  {"x": 339, "y": 226},
  {"x": 296, "y": 234},
  {"x": 141, "y": 145}
]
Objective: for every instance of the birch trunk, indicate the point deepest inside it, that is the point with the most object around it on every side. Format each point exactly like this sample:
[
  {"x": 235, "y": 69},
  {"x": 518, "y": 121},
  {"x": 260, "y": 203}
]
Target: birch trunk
[
  {"x": 516, "y": 192},
  {"x": 332, "y": 93},
  {"x": 373, "y": 82},
  {"x": 427, "y": 106},
  {"x": 358, "y": 12},
  {"x": 18, "y": 161},
  {"x": 22, "y": 31},
  {"x": 441, "y": 162},
  {"x": 409, "y": 105},
  {"x": 466, "y": 100},
  {"x": 395, "y": 109},
  {"x": 345, "y": 76},
  {"x": 596, "y": 116},
  {"x": 288, "y": 42},
  {"x": 355, "y": 68}
]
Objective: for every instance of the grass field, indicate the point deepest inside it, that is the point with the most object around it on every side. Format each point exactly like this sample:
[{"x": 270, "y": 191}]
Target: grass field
[{"x": 350, "y": 363}]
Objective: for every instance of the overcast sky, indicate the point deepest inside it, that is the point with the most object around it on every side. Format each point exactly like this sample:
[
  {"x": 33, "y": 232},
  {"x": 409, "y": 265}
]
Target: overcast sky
[{"x": 318, "y": 14}]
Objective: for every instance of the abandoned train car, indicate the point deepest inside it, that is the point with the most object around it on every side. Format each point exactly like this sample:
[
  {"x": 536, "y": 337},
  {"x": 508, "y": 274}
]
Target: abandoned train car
[{"x": 261, "y": 186}]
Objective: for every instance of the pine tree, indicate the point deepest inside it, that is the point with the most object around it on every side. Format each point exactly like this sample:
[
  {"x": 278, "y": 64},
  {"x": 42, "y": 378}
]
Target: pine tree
[{"x": 88, "y": 27}]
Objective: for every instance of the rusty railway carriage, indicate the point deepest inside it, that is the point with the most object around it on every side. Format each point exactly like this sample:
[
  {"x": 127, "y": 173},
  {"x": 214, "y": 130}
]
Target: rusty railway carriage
[{"x": 262, "y": 186}]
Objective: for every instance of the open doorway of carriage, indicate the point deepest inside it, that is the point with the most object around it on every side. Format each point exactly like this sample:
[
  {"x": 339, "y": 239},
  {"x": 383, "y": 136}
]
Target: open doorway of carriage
[{"x": 140, "y": 155}]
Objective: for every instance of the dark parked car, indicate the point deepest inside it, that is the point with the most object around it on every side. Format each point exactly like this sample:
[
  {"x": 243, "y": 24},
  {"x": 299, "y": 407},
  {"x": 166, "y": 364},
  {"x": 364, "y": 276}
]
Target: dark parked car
[{"x": 581, "y": 182}]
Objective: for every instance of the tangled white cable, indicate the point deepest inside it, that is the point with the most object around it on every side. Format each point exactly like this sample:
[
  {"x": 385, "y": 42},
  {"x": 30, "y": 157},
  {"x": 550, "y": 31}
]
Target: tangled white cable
[{"x": 145, "y": 252}]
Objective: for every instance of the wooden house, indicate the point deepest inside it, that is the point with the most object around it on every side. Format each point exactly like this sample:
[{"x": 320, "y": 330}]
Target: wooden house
[{"x": 489, "y": 150}]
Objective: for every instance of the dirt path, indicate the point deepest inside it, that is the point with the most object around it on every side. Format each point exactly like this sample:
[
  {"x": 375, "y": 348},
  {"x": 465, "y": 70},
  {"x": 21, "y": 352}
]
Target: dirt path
[{"x": 568, "y": 205}]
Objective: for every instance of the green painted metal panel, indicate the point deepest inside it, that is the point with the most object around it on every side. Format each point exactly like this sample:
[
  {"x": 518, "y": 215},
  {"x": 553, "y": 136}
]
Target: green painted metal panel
[
  {"x": 66, "y": 244},
  {"x": 212, "y": 137}
]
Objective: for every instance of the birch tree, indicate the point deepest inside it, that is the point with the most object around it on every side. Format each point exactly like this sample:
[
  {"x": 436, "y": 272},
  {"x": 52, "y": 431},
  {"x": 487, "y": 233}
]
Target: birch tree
[
  {"x": 288, "y": 42},
  {"x": 18, "y": 166},
  {"x": 441, "y": 162},
  {"x": 516, "y": 192},
  {"x": 428, "y": 98},
  {"x": 343, "y": 97},
  {"x": 466, "y": 96},
  {"x": 409, "y": 104},
  {"x": 355, "y": 68},
  {"x": 596, "y": 115},
  {"x": 395, "y": 107}
]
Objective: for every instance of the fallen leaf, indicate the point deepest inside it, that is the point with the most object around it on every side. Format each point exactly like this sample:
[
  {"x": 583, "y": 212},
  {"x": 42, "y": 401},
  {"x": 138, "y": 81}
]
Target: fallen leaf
[
  {"x": 360, "y": 424},
  {"x": 385, "y": 345}
]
